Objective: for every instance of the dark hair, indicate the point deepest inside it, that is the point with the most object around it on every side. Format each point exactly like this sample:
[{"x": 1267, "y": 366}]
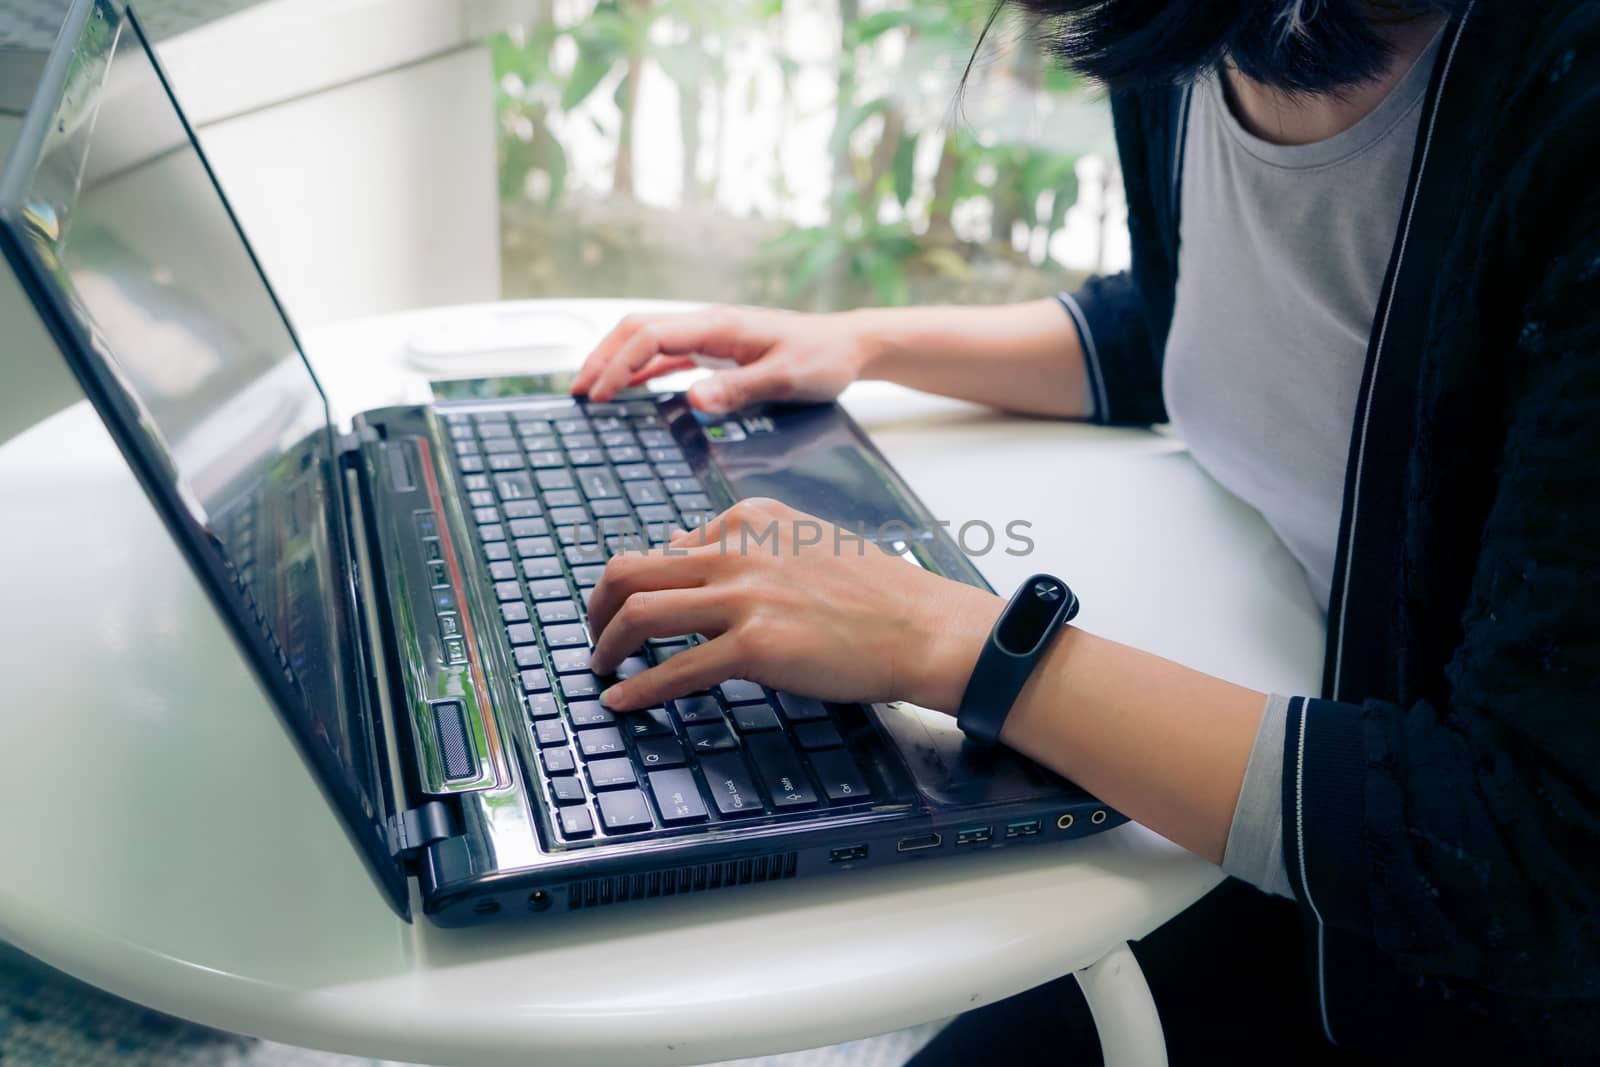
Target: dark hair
[{"x": 1302, "y": 46}]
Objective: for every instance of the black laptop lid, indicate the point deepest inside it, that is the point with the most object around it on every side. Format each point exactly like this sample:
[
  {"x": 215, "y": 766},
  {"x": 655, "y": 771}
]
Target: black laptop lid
[{"x": 117, "y": 229}]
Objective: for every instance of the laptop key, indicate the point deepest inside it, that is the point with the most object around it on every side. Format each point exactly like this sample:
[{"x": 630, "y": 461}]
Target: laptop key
[
  {"x": 495, "y": 551},
  {"x": 631, "y": 666},
  {"x": 651, "y": 722},
  {"x": 624, "y": 811},
  {"x": 740, "y": 691},
  {"x": 521, "y": 509},
  {"x": 567, "y": 790},
  {"x": 516, "y": 486},
  {"x": 562, "y": 498},
  {"x": 541, "y": 568},
  {"x": 568, "y": 516},
  {"x": 503, "y": 570},
  {"x": 677, "y": 797},
  {"x": 659, "y": 752},
  {"x": 814, "y": 735},
  {"x": 801, "y": 709},
  {"x": 587, "y": 713},
  {"x": 505, "y": 461},
  {"x": 732, "y": 791},
  {"x": 646, "y": 493},
  {"x": 715, "y": 737},
  {"x": 612, "y": 436},
  {"x": 554, "y": 478},
  {"x": 578, "y": 686},
  {"x": 588, "y": 575},
  {"x": 558, "y": 761},
  {"x": 753, "y": 718},
  {"x": 664, "y": 454},
  {"x": 674, "y": 470},
  {"x": 693, "y": 504},
  {"x": 575, "y": 822},
  {"x": 632, "y": 472},
  {"x": 480, "y": 498},
  {"x": 534, "y": 547},
  {"x": 571, "y": 660},
  {"x": 611, "y": 773},
  {"x": 515, "y": 612},
  {"x": 696, "y": 709},
  {"x": 501, "y": 444},
  {"x": 608, "y": 507},
  {"x": 550, "y": 589},
  {"x": 680, "y": 486},
  {"x": 581, "y": 555},
  {"x": 535, "y": 681},
  {"x": 476, "y": 483},
  {"x": 566, "y": 635},
  {"x": 530, "y": 527},
  {"x": 841, "y": 778},
  {"x": 550, "y": 611},
  {"x": 485, "y": 513},
  {"x": 521, "y": 634},
  {"x": 547, "y": 459},
  {"x": 585, "y": 457},
  {"x": 598, "y": 483},
  {"x": 528, "y": 656},
  {"x": 549, "y": 732},
  {"x": 629, "y": 453},
  {"x": 778, "y": 769},
  {"x": 507, "y": 591},
  {"x": 542, "y": 706},
  {"x": 470, "y": 464},
  {"x": 657, "y": 516},
  {"x": 606, "y": 741}
]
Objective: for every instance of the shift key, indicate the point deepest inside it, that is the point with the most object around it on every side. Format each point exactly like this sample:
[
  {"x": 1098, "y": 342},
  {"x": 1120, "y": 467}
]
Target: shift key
[
  {"x": 779, "y": 770},
  {"x": 677, "y": 797},
  {"x": 732, "y": 791}
]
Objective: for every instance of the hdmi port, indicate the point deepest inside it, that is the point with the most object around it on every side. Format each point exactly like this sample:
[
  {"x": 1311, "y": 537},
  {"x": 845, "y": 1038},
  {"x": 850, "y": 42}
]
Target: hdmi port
[{"x": 919, "y": 842}]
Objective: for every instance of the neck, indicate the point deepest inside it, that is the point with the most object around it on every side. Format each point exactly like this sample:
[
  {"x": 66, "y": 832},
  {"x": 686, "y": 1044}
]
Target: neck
[{"x": 1288, "y": 119}]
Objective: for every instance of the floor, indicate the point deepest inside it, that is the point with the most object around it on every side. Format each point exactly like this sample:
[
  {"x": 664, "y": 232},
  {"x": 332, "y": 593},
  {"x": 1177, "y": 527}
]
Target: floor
[{"x": 49, "y": 1020}]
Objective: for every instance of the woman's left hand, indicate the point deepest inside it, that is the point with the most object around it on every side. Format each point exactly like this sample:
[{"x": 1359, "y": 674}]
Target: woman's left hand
[{"x": 793, "y": 603}]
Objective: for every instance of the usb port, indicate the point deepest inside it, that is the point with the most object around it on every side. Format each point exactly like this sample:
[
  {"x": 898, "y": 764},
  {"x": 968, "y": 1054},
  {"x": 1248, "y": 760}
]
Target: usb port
[
  {"x": 919, "y": 842},
  {"x": 848, "y": 853},
  {"x": 974, "y": 835},
  {"x": 1024, "y": 828}
]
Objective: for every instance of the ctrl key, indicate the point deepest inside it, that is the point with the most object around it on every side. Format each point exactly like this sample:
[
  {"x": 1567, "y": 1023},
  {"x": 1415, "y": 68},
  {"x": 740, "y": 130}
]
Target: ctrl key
[{"x": 624, "y": 810}]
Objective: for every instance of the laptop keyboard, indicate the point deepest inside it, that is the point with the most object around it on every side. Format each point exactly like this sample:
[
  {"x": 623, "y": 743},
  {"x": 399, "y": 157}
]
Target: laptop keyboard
[{"x": 553, "y": 495}]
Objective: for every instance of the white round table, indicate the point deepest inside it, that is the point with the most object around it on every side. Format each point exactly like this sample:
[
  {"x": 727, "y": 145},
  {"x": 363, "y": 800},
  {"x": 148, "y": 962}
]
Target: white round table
[{"x": 167, "y": 844}]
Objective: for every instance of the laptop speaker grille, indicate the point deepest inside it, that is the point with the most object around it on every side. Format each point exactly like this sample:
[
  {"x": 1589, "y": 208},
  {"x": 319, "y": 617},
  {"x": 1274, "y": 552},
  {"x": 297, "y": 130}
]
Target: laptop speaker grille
[
  {"x": 455, "y": 746},
  {"x": 674, "y": 881}
]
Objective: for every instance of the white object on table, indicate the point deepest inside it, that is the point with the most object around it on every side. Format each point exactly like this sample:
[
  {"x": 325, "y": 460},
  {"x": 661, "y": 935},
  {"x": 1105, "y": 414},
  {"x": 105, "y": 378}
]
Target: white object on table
[{"x": 166, "y": 843}]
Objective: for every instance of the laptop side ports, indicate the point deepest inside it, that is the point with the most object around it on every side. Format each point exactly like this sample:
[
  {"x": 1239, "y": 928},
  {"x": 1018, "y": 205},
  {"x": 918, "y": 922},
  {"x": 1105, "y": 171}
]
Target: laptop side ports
[
  {"x": 1023, "y": 828},
  {"x": 918, "y": 842},
  {"x": 974, "y": 835}
]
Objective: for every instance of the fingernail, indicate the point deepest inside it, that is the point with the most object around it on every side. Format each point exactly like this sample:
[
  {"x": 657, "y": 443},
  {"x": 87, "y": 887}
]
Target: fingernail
[
  {"x": 707, "y": 396},
  {"x": 605, "y": 696}
]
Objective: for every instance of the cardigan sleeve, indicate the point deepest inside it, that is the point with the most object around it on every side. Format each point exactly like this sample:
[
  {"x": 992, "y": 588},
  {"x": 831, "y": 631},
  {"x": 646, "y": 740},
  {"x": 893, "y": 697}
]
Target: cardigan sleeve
[
  {"x": 1118, "y": 350},
  {"x": 1462, "y": 834}
]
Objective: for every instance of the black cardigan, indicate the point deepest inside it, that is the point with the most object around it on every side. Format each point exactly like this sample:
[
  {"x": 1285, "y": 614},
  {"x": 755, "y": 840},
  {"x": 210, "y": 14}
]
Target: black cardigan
[{"x": 1442, "y": 794}]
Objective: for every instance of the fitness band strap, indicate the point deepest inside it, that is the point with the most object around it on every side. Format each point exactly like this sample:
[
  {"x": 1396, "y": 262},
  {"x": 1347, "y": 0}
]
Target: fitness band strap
[{"x": 1035, "y": 614}]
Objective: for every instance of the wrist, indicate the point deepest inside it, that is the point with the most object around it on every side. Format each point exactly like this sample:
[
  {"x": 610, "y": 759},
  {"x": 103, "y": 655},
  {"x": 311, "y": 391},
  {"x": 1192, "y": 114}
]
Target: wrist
[
  {"x": 878, "y": 338},
  {"x": 945, "y": 652}
]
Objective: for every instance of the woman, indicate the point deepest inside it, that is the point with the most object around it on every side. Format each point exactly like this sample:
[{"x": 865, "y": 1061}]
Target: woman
[{"x": 1366, "y": 290}]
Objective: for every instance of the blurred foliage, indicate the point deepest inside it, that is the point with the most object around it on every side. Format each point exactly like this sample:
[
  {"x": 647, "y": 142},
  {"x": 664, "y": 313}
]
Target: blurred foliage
[{"x": 889, "y": 219}]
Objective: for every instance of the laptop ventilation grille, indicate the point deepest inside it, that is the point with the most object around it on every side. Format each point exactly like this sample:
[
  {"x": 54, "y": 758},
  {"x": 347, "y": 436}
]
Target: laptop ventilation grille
[{"x": 594, "y": 892}]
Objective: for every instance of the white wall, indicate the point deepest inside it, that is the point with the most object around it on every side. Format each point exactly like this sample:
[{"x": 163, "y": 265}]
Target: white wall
[{"x": 356, "y": 140}]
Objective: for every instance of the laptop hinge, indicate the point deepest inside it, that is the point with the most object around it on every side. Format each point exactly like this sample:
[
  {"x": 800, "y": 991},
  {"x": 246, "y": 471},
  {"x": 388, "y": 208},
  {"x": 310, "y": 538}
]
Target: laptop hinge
[
  {"x": 346, "y": 444},
  {"x": 415, "y": 829}
]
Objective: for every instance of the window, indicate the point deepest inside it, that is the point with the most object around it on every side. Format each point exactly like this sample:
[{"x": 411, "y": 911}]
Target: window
[{"x": 801, "y": 153}]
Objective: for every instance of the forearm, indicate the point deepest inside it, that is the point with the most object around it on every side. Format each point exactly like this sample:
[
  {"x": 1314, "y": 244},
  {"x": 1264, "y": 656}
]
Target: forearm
[
  {"x": 1163, "y": 744},
  {"x": 1018, "y": 357}
]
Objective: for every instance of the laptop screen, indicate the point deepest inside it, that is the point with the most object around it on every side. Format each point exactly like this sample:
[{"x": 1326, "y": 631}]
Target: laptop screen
[{"x": 171, "y": 325}]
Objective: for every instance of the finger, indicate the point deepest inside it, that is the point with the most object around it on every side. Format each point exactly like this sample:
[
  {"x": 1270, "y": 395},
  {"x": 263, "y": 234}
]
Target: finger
[
  {"x": 717, "y": 333},
  {"x": 659, "y": 366},
  {"x": 638, "y": 572},
  {"x": 739, "y": 387},
  {"x": 668, "y": 613},
  {"x": 700, "y": 667},
  {"x": 598, "y": 359}
]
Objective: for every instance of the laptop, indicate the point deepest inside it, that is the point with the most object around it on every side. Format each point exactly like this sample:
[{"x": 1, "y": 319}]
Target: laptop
[{"x": 410, "y": 589}]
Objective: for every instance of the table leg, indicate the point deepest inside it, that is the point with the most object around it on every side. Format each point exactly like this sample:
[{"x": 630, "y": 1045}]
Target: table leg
[{"x": 1124, "y": 1012}]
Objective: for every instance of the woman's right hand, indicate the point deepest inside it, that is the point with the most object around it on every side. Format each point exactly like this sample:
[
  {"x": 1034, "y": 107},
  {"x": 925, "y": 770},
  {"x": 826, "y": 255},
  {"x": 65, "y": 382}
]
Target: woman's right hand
[{"x": 780, "y": 355}]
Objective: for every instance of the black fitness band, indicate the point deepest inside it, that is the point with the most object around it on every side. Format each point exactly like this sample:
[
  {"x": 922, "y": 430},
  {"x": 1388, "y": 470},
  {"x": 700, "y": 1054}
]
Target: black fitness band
[{"x": 1037, "y": 611}]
